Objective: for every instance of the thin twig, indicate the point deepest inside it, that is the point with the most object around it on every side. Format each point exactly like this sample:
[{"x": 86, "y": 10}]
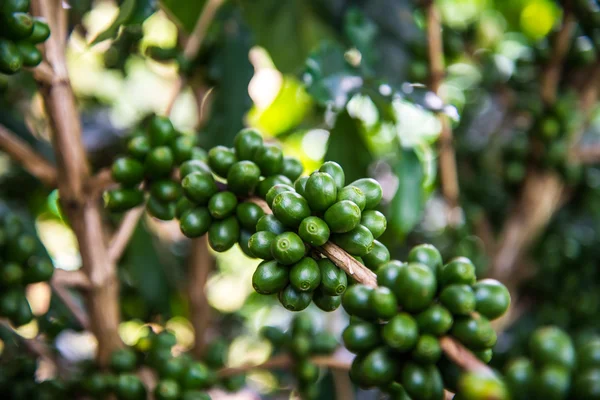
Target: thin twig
[
  {"x": 70, "y": 278},
  {"x": 448, "y": 170},
  {"x": 97, "y": 184},
  {"x": 193, "y": 44},
  {"x": 120, "y": 239},
  {"x": 28, "y": 158},
  {"x": 44, "y": 73},
  {"x": 462, "y": 357},
  {"x": 201, "y": 264},
  {"x": 76, "y": 310}
]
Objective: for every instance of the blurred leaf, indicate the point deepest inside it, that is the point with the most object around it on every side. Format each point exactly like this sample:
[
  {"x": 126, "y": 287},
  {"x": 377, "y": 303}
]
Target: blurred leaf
[
  {"x": 131, "y": 12},
  {"x": 286, "y": 111},
  {"x": 329, "y": 78},
  {"x": 232, "y": 71},
  {"x": 407, "y": 205},
  {"x": 185, "y": 12},
  {"x": 362, "y": 33},
  {"x": 288, "y": 30},
  {"x": 347, "y": 147}
]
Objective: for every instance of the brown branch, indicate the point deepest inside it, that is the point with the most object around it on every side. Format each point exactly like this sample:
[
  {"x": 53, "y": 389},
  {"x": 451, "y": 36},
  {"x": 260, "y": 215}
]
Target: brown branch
[
  {"x": 44, "y": 73},
  {"x": 70, "y": 279},
  {"x": 585, "y": 155},
  {"x": 462, "y": 357},
  {"x": 201, "y": 264},
  {"x": 79, "y": 313},
  {"x": 97, "y": 184},
  {"x": 84, "y": 214},
  {"x": 193, "y": 44},
  {"x": 448, "y": 170},
  {"x": 28, "y": 158},
  {"x": 365, "y": 276},
  {"x": 118, "y": 243}
]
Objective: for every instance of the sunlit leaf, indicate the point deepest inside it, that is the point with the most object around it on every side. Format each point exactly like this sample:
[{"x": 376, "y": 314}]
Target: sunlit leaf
[{"x": 125, "y": 12}]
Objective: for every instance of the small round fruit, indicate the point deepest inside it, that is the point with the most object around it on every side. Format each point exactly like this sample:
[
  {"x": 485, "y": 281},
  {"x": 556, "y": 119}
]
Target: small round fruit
[
  {"x": 387, "y": 274},
  {"x": 129, "y": 387},
  {"x": 266, "y": 184},
  {"x": 165, "y": 190},
  {"x": 415, "y": 287},
  {"x": 458, "y": 299},
  {"x": 422, "y": 381},
  {"x": 551, "y": 345},
  {"x": 242, "y": 178},
  {"x": 305, "y": 275},
  {"x": 493, "y": 298},
  {"x": 314, "y": 231},
  {"x": 167, "y": 389},
  {"x": 17, "y": 25},
  {"x": 161, "y": 131},
  {"x": 159, "y": 162},
  {"x": 260, "y": 244},
  {"x": 474, "y": 332},
  {"x": 474, "y": 386},
  {"x": 275, "y": 190},
  {"x": 435, "y": 320},
  {"x": 361, "y": 336},
  {"x": 138, "y": 147},
  {"x": 270, "y": 277},
  {"x": 336, "y": 171},
  {"x": 383, "y": 303},
  {"x": 160, "y": 210},
  {"x": 519, "y": 376},
  {"x": 300, "y": 185},
  {"x": 38, "y": 270},
  {"x": 220, "y": 159},
  {"x": 401, "y": 332},
  {"x": 288, "y": 248},
  {"x": 269, "y": 223},
  {"x": 246, "y": 143},
  {"x": 196, "y": 376},
  {"x": 11, "y": 274},
  {"x": 357, "y": 242},
  {"x": 320, "y": 191},
  {"x": 290, "y": 208},
  {"x": 123, "y": 360},
  {"x": 248, "y": 215},
  {"x": 552, "y": 382},
  {"x": 195, "y": 222},
  {"x": 428, "y": 255},
  {"x": 223, "y": 234},
  {"x": 269, "y": 159},
  {"x": 183, "y": 204},
  {"x": 372, "y": 191},
  {"x": 586, "y": 384},
  {"x": 374, "y": 221},
  {"x": 199, "y": 187},
  {"x": 353, "y": 194},
  {"x": 118, "y": 200},
  {"x": 243, "y": 242},
  {"x": 379, "y": 255},
  {"x": 222, "y": 205},
  {"x": 588, "y": 354},
  {"x": 294, "y": 300},
  {"x": 356, "y": 301},
  {"x": 30, "y": 55},
  {"x": 10, "y": 57},
  {"x": 427, "y": 350},
  {"x": 194, "y": 166},
  {"x": 333, "y": 279},
  {"x": 326, "y": 302},
  {"x": 182, "y": 148},
  {"x": 379, "y": 367},
  {"x": 40, "y": 33},
  {"x": 292, "y": 168},
  {"x": 458, "y": 271},
  {"x": 342, "y": 216}
]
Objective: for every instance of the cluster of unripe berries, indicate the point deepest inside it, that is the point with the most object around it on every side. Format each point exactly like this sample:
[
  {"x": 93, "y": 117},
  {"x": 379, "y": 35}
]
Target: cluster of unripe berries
[
  {"x": 395, "y": 329},
  {"x": 23, "y": 263},
  {"x": 19, "y": 33},
  {"x": 556, "y": 369},
  {"x": 302, "y": 341}
]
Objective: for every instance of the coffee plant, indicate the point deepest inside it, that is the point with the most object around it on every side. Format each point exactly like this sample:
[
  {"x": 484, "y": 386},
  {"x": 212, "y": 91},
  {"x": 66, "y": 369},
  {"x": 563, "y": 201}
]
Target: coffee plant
[{"x": 303, "y": 199}]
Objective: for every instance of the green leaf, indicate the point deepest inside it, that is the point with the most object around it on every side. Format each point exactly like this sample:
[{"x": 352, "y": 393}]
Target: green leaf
[
  {"x": 288, "y": 30},
  {"x": 125, "y": 12},
  {"x": 407, "y": 205},
  {"x": 347, "y": 147},
  {"x": 185, "y": 13}
]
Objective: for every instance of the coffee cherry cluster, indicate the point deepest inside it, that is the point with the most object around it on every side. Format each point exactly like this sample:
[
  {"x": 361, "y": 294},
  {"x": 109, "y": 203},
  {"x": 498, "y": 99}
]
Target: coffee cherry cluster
[
  {"x": 399, "y": 351},
  {"x": 19, "y": 33},
  {"x": 21, "y": 265},
  {"x": 302, "y": 342},
  {"x": 179, "y": 377},
  {"x": 556, "y": 368},
  {"x": 153, "y": 153}
]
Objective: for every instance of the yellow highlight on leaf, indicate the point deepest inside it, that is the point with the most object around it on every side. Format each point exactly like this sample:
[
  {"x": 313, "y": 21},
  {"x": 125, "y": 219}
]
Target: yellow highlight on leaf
[{"x": 538, "y": 18}]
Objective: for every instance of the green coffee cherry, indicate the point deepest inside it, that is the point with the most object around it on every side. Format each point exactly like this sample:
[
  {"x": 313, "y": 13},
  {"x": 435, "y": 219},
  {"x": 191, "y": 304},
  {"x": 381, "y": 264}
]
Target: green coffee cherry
[
  {"x": 387, "y": 274},
  {"x": 475, "y": 333},
  {"x": 342, "y": 216},
  {"x": 194, "y": 166},
  {"x": 458, "y": 271},
  {"x": 270, "y": 277},
  {"x": 353, "y": 194},
  {"x": 320, "y": 191},
  {"x": 269, "y": 159},
  {"x": 378, "y": 255},
  {"x": 161, "y": 131},
  {"x": 383, "y": 303},
  {"x": 159, "y": 162},
  {"x": 221, "y": 159},
  {"x": 40, "y": 32},
  {"x": 294, "y": 300},
  {"x": 11, "y": 274},
  {"x": 195, "y": 222},
  {"x": 129, "y": 386},
  {"x": 427, "y": 350},
  {"x": 223, "y": 234},
  {"x": 222, "y": 205},
  {"x": 165, "y": 190},
  {"x": 336, "y": 171},
  {"x": 300, "y": 185},
  {"x": 552, "y": 382},
  {"x": 164, "y": 211},
  {"x": 10, "y": 57},
  {"x": 242, "y": 177},
  {"x": 123, "y": 360},
  {"x": 333, "y": 279},
  {"x": 127, "y": 171},
  {"x": 266, "y": 184},
  {"x": 167, "y": 389},
  {"x": 199, "y": 187},
  {"x": 374, "y": 221},
  {"x": 361, "y": 336},
  {"x": 372, "y": 191},
  {"x": 183, "y": 205},
  {"x": 30, "y": 55},
  {"x": 326, "y": 302},
  {"x": 38, "y": 270},
  {"x": 305, "y": 275},
  {"x": 378, "y": 368},
  {"x": 314, "y": 231},
  {"x": 182, "y": 148},
  {"x": 123, "y": 199},
  {"x": 458, "y": 299},
  {"x": 260, "y": 244},
  {"x": 17, "y": 25},
  {"x": 248, "y": 215},
  {"x": 356, "y": 301},
  {"x": 138, "y": 147},
  {"x": 550, "y": 345},
  {"x": 290, "y": 208},
  {"x": 415, "y": 288},
  {"x": 425, "y": 254},
  {"x": 422, "y": 381},
  {"x": 243, "y": 240},
  {"x": 401, "y": 332},
  {"x": 493, "y": 298},
  {"x": 246, "y": 143},
  {"x": 275, "y": 190},
  {"x": 288, "y": 248},
  {"x": 269, "y": 223},
  {"x": 291, "y": 168},
  {"x": 357, "y": 242},
  {"x": 196, "y": 376}
]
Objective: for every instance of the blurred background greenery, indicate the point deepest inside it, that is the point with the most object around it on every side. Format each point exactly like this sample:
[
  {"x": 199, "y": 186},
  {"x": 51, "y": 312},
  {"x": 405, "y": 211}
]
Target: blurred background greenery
[{"x": 331, "y": 80}]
